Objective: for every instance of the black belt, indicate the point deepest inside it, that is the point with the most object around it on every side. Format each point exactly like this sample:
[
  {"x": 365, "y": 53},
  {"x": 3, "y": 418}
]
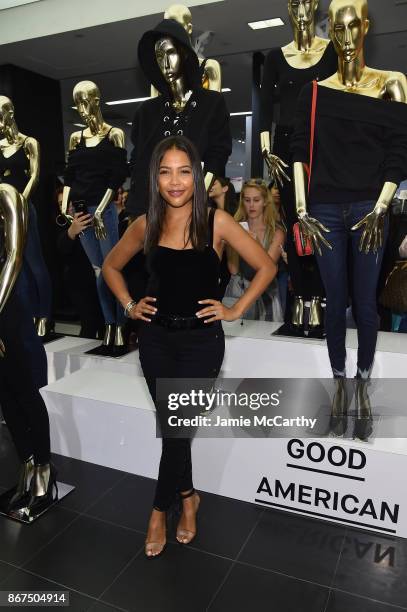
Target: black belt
[{"x": 176, "y": 322}]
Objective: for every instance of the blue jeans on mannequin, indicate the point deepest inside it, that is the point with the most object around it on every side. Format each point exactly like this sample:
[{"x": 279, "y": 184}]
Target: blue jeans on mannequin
[
  {"x": 333, "y": 265},
  {"x": 96, "y": 251},
  {"x": 34, "y": 280}
]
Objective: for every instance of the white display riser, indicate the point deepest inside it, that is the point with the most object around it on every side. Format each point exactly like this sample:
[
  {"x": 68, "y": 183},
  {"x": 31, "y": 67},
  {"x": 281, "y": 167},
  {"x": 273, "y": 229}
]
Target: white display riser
[
  {"x": 251, "y": 351},
  {"x": 108, "y": 418},
  {"x": 68, "y": 355}
]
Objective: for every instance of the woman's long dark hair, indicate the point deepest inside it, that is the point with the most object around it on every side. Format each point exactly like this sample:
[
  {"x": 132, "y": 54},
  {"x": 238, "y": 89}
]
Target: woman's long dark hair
[{"x": 197, "y": 229}]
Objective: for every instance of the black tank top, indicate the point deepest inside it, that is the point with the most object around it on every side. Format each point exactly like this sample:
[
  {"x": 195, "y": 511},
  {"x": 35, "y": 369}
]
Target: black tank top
[
  {"x": 91, "y": 171},
  {"x": 179, "y": 278},
  {"x": 15, "y": 170}
]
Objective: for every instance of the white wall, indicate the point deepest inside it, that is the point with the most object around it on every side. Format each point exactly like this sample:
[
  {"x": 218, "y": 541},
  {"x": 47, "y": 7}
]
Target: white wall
[{"x": 55, "y": 16}]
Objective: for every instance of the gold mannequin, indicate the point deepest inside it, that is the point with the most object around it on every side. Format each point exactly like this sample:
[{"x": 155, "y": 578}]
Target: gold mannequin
[
  {"x": 169, "y": 61},
  {"x": 303, "y": 52},
  {"x": 86, "y": 96},
  {"x": 349, "y": 25},
  {"x": 13, "y": 139},
  {"x": 212, "y": 78},
  {"x": 11, "y": 142},
  {"x": 13, "y": 221}
]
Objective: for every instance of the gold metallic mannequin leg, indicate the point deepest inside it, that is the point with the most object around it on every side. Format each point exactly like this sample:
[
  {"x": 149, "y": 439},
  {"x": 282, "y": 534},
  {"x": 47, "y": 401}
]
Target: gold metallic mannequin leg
[
  {"x": 298, "y": 312},
  {"x": 339, "y": 411},
  {"x": 364, "y": 419},
  {"x": 19, "y": 498},
  {"x": 118, "y": 337},
  {"x": 41, "y": 325},
  {"x": 315, "y": 313},
  {"x": 42, "y": 489},
  {"x": 108, "y": 339}
]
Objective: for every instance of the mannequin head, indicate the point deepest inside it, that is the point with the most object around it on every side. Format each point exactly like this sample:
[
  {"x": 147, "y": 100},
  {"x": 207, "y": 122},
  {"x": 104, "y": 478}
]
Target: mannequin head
[
  {"x": 8, "y": 128},
  {"x": 169, "y": 59},
  {"x": 182, "y": 14},
  {"x": 348, "y": 24},
  {"x": 302, "y": 14},
  {"x": 86, "y": 96}
]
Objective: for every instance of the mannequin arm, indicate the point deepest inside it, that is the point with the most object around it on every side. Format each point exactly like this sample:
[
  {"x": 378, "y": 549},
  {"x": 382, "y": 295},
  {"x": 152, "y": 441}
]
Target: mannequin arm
[
  {"x": 209, "y": 179},
  {"x": 14, "y": 210},
  {"x": 274, "y": 164},
  {"x": 73, "y": 141},
  {"x": 65, "y": 200},
  {"x": 372, "y": 235},
  {"x": 32, "y": 150},
  {"x": 98, "y": 223},
  {"x": 310, "y": 228},
  {"x": 117, "y": 138}
]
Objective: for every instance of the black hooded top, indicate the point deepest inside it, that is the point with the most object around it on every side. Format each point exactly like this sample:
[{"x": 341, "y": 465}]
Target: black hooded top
[{"x": 204, "y": 120}]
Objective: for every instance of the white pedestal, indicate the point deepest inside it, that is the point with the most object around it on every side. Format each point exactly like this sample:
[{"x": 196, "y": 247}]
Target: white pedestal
[{"x": 108, "y": 418}]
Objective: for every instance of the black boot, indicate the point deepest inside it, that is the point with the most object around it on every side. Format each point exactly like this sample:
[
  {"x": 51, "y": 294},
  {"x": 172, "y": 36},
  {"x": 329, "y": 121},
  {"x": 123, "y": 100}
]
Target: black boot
[
  {"x": 43, "y": 485},
  {"x": 22, "y": 494},
  {"x": 364, "y": 420},
  {"x": 339, "y": 412}
]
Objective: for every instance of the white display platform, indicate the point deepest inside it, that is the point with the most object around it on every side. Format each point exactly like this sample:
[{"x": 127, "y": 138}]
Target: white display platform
[
  {"x": 251, "y": 351},
  {"x": 104, "y": 415},
  {"x": 68, "y": 355}
]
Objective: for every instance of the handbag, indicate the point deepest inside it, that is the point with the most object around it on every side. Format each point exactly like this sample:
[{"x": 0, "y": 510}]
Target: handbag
[
  {"x": 302, "y": 247},
  {"x": 394, "y": 294}
]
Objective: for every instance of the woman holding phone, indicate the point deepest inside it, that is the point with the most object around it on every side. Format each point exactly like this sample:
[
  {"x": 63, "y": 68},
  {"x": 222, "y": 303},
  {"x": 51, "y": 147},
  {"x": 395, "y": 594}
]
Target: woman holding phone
[{"x": 181, "y": 333}]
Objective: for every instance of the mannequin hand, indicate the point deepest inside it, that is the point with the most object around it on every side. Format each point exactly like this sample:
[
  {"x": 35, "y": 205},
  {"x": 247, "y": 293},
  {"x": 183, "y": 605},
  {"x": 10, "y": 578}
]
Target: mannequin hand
[
  {"x": 143, "y": 308},
  {"x": 2, "y": 348},
  {"x": 311, "y": 228},
  {"x": 276, "y": 167},
  {"x": 99, "y": 225},
  {"x": 79, "y": 223},
  {"x": 372, "y": 235},
  {"x": 216, "y": 311}
]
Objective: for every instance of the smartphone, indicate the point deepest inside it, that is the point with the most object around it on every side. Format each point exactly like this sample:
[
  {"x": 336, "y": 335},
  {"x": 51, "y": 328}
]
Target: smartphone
[
  {"x": 245, "y": 225},
  {"x": 80, "y": 207}
]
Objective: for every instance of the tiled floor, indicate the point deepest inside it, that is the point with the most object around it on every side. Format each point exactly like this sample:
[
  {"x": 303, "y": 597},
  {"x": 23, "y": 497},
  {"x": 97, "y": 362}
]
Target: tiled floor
[{"x": 244, "y": 557}]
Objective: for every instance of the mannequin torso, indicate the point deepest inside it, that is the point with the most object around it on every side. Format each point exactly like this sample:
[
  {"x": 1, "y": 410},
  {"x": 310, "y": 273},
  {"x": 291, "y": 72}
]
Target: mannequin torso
[
  {"x": 305, "y": 58},
  {"x": 116, "y": 136},
  {"x": 373, "y": 83}
]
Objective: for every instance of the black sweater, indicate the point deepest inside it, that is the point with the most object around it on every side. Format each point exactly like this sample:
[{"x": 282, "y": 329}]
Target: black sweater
[
  {"x": 91, "y": 171},
  {"x": 281, "y": 78},
  {"x": 205, "y": 121},
  {"x": 360, "y": 143}
]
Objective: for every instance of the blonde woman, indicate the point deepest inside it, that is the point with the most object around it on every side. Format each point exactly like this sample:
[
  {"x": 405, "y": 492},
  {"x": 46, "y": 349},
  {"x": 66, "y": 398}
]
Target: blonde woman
[{"x": 259, "y": 216}]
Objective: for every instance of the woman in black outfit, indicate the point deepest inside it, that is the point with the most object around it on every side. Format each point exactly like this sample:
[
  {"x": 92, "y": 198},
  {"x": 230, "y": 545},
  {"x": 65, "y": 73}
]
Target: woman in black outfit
[{"x": 181, "y": 335}]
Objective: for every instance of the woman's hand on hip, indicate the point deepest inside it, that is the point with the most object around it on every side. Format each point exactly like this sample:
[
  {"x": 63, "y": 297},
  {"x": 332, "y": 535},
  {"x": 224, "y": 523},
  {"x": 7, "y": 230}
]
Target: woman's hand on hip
[
  {"x": 142, "y": 308},
  {"x": 216, "y": 311}
]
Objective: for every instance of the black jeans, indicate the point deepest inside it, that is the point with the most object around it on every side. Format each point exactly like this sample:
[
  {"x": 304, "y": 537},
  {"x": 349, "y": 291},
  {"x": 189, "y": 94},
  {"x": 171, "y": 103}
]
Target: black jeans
[
  {"x": 166, "y": 353},
  {"x": 21, "y": 402},
  {"x": 339, "y": 219}
]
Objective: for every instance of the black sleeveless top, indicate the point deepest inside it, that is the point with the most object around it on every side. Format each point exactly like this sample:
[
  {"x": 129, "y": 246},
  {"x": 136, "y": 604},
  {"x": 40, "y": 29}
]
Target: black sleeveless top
[
  {"x": 179, "y": 278},
  {"x": 15, "y": 170},
  {"x": 91, "y": 171}
]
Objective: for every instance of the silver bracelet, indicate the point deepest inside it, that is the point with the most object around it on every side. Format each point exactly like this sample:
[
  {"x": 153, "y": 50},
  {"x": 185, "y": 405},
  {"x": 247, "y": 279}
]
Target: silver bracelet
[{"x": 129, "y": 306}]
